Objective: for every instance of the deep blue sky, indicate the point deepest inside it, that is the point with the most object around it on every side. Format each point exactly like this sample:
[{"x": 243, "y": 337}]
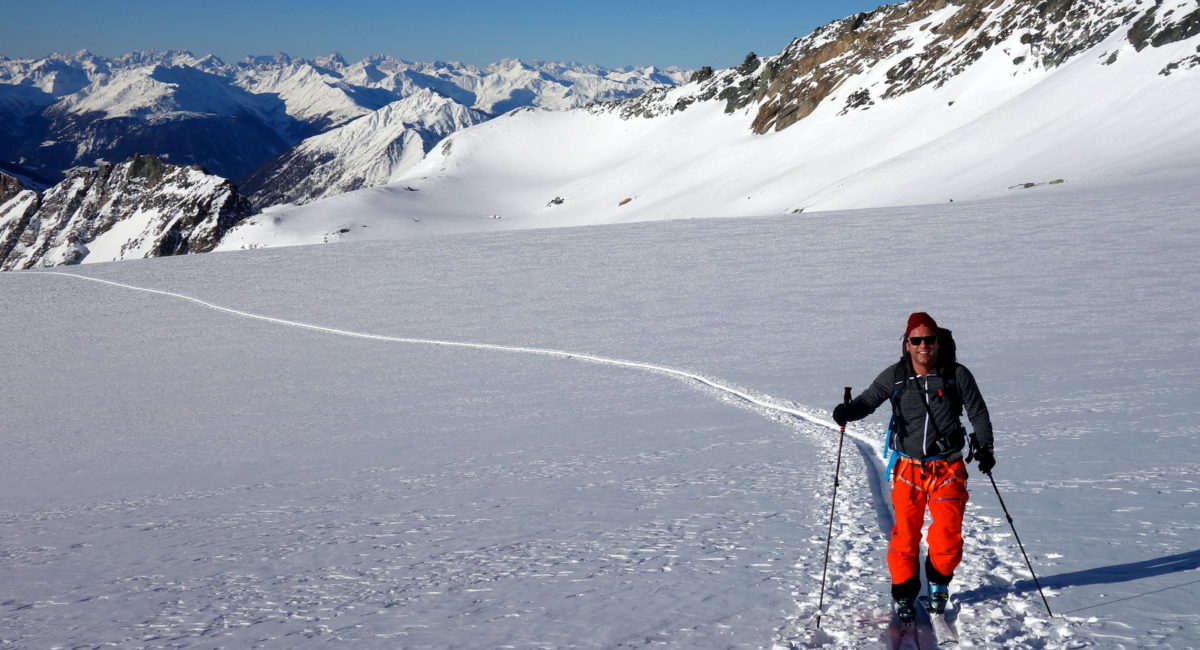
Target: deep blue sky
[{"x": 687, "y": 33}]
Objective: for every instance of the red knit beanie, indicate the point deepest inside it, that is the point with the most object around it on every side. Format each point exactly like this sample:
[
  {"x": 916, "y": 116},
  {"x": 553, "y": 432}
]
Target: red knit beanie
[{"x": 918, "y": 319}]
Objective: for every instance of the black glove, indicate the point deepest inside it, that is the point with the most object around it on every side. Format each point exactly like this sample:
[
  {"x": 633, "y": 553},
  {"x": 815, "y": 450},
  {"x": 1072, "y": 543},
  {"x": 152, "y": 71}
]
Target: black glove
[
  {"x": 841, "y": 415},
  {"x": 987, "y": 460}
]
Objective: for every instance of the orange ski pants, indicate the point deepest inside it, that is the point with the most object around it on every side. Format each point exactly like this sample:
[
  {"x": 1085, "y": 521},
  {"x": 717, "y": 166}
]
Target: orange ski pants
[{"x": 940, "y": 486}]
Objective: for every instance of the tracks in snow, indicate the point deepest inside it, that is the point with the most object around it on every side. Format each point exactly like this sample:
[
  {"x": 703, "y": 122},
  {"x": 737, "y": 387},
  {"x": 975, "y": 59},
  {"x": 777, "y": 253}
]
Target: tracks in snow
[
  {"x": 986, "y": 577},
  {"x": 764, "y": 402}
]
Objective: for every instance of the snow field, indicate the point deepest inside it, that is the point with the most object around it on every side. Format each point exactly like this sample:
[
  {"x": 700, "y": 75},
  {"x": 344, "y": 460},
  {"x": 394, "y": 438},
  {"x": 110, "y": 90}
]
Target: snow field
[
  {"x": 854, "y": 556},
  {"x": 224, "y": 480},
  {"x": 432, "y": 535}
]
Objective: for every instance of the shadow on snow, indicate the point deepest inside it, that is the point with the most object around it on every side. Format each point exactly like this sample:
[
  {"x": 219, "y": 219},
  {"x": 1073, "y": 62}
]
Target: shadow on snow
[{"x": 1115, "y": 573}]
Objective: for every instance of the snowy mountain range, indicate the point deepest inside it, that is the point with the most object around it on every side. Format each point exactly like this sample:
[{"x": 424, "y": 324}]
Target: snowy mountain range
[
  {"x": 920, "y": 102},
  {"x": 72, "y": 110},
  {"x": 293, "y": 130},
  {"x": 368, "y": 151}
]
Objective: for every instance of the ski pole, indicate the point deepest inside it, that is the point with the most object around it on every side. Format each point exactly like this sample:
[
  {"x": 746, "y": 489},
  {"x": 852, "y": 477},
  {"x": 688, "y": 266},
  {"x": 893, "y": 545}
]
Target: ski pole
[
  {"x": 833, "y": 502},
  {"x": 1020, "y": 545}
]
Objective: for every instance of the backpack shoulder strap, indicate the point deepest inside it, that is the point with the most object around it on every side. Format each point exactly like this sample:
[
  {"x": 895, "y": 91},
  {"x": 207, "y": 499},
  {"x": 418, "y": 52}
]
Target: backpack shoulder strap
[
  {"x": 899, "y": 378},
  {"x": 950, "y": 377}
]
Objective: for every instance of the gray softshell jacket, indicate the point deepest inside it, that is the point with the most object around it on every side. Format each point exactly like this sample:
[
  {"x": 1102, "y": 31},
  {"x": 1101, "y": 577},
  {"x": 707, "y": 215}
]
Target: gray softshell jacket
[{"x": 915, "y": 433}]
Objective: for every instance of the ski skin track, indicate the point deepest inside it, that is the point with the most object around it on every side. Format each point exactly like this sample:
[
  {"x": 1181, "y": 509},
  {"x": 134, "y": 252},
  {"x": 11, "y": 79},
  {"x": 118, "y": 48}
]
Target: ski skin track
[
  {"x": 866, "y": 444},
  {"x": 562, "y": 354}
]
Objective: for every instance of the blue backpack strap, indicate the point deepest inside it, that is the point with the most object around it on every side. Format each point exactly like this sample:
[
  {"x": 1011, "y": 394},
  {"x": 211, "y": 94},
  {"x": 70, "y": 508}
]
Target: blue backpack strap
[{"x": 889, "y": 449}]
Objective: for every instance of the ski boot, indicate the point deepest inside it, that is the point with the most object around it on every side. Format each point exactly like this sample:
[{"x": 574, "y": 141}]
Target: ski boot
[
  {"x": 906, "y": 610},
  {"x": 939, "y": 596}
]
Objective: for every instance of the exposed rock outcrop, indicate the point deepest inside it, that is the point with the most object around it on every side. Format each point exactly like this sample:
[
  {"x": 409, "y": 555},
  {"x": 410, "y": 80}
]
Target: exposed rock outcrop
[
  {"x": 140, "y": 208},
  {"x": 922, "y": 43},
  {"x": 9, "y": 187}
]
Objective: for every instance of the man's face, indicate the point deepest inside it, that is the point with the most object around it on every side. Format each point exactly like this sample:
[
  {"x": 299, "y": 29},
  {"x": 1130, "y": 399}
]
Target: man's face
[{"x": 925, "y": 351}]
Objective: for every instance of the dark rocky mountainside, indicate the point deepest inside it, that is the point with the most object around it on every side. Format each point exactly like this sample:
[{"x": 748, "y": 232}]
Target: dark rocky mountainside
[
  {"x": 9, "y": 187},
  {"x": 140, "y": 208}
]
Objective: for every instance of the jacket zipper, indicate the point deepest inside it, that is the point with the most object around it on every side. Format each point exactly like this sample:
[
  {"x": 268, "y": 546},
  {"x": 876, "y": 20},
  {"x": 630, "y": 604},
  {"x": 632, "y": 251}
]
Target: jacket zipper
[{"x": 925, "y": 433}]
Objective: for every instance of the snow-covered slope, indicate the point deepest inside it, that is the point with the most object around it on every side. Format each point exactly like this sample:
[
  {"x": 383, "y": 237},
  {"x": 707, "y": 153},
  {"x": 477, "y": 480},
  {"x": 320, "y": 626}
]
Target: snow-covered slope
[
  {"x": 139, "y": 208},
  {"x": 310, "y": 93},
  {"x": 158, "y": 91},
  {"x": 371, "y": 150},
  {"x": 919, "y": 102},
  {"x": 177, "y": 476}
]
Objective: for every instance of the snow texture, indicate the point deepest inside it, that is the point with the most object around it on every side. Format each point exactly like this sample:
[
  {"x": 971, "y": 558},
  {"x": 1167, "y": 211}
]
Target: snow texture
[{"x": 287, "y": 448}]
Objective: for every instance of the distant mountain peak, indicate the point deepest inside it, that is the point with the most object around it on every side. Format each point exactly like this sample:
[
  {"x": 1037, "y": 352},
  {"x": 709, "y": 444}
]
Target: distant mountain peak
[
  {"x": 334, "y": 58},
  {"x": 371, "y": 150}
]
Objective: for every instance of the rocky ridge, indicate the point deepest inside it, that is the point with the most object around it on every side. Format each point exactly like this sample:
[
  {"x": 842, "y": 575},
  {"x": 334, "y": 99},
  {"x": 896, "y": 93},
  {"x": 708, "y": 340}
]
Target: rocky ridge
[
  {"x": 10, "y": 186},
  {"x": 918, "y": 44},
  {"x": 139, "y": 208}
]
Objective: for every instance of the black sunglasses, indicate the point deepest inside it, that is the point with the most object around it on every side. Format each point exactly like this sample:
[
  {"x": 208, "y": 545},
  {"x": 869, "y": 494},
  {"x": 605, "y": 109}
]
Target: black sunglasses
[{"x": 916, "y": 341}]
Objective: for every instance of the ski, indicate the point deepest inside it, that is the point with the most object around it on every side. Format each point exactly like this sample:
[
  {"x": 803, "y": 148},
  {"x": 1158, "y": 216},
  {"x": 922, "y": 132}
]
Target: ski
[
  {"x": 903, "y": 636},
  {"x": 942, "y": 624}
]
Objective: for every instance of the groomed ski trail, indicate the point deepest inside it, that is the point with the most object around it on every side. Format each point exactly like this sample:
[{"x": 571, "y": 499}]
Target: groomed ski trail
[{"x": 856, "y": 608}]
